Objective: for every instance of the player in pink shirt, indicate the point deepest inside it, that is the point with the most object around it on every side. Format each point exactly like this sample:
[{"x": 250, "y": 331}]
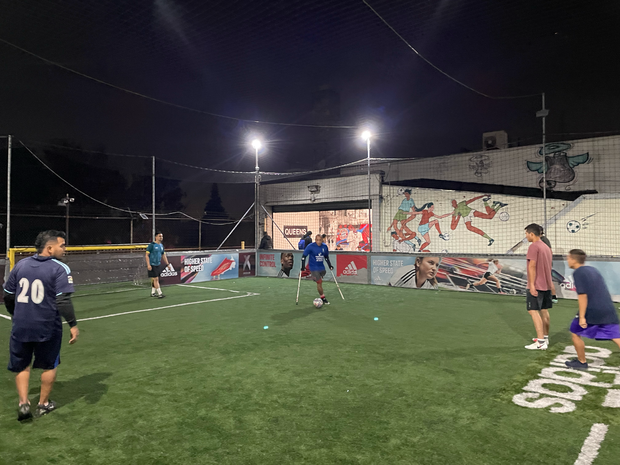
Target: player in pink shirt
[{"x": 539, "y": 285}]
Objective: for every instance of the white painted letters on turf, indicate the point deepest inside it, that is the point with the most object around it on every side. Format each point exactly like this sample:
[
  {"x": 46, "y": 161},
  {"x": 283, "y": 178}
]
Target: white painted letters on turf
[{"x": 541, "y": 393}]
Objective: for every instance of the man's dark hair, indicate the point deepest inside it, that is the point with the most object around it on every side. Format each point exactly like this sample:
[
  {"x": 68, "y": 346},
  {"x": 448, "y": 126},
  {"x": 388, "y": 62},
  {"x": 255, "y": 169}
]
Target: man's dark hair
[
  {"x": 407, "y": 191},
  {"x": 45, "y": 237},
  {"x": 534, "y": 228},
  {"x": 579, "y": 255},
  {"x": 158, "y": 233}
]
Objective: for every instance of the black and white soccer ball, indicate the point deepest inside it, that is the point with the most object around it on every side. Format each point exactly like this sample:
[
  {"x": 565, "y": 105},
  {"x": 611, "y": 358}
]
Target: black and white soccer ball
[
  {"x": 401, "y": 191},
  {"x": 573, "y": 226},
  {"x": 318, "y": 302}
]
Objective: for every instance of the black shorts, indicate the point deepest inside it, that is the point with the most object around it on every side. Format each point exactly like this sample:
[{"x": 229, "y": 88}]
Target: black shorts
[
  {"x": 155, "y": 271},
  {"x": 540, "y": 302},
  {"x": 487, "y": 274},
  {"x": 318, "y": 275},
  {"x": 46, "y": 354}
]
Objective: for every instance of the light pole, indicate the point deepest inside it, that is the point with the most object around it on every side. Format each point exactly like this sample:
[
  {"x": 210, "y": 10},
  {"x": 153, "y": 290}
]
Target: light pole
[
  {"x": 256, "y": 144},
  {"x": 65, "y": 202},
  {"x": 366, "y": 135}
]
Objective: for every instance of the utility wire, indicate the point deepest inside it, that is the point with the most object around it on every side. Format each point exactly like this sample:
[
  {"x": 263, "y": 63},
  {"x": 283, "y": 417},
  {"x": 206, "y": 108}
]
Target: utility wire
[
  {"x": 175, "y": 105},
  {"x": 442, "y": 71},
  {"x": 112, "y": 206}
]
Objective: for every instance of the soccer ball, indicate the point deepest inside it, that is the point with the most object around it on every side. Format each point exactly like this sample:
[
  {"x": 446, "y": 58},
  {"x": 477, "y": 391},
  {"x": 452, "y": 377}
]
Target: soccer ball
[
  {"x": 573, "y": 226},
  {"x": 401, "y": 191},
  {"x": 318, "y": 302},
  {"x": 504, "y": 216}
]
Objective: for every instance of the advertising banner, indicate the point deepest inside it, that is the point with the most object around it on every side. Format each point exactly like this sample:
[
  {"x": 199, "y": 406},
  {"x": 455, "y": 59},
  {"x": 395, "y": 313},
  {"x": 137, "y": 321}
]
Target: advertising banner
[
  {"x": 198, "y": 268},
  {"x": 287, "y": 264},
  {"x": 501, "y": 275},
  {"x": 352, "y": 268},
  {"x": 247, "y": 264}
]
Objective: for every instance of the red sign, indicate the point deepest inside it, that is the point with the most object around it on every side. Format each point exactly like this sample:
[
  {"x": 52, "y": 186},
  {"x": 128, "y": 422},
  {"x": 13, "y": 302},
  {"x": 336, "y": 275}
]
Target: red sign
[
  {"x": 247, "y": 264},
  {"x": 351, "y": 265}
]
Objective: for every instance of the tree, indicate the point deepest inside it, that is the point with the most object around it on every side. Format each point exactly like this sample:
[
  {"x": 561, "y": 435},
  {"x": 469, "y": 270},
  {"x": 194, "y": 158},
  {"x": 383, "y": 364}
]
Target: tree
[{"x": 214, "y": 208}]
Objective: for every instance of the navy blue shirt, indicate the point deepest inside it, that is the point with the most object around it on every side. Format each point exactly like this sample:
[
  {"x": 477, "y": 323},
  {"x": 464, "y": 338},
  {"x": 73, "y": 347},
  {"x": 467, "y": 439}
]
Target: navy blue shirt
[
  {"x": 36, "y": 282},
  {"x": 317, "y": 254},
  {"x": 155, "y": 251},
  {"x": 601, "y": 309}
]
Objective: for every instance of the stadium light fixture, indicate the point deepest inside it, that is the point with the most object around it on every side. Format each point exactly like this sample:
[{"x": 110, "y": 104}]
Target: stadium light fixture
[
  {"x": 366, "y": 135},
  {"x": 256, "y": 143},
  {"x": 65, "y": 202}
]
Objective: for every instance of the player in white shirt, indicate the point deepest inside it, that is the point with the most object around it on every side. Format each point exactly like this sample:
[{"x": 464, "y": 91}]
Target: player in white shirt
[{"x": 493, "y": 269}]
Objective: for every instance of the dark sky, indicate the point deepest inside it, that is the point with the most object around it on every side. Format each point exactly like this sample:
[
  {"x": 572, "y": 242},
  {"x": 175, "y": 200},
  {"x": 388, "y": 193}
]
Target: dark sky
[{"x": 267, "y": 60}]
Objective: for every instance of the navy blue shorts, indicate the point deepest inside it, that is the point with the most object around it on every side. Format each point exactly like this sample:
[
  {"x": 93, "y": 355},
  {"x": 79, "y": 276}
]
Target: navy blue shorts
[{"x": 46, "y": 354}]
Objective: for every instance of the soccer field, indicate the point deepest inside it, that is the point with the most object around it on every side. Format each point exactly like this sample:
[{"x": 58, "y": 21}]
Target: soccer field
[{"x": 198, "y": 380}]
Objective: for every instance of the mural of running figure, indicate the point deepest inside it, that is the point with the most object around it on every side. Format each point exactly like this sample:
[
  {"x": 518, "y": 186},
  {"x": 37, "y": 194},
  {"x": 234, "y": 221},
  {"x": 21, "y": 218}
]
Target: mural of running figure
[
  {"x": 406, "y": 206},
  {"x": 462, "y": 209},
  {"x": 426, "y": 224}
]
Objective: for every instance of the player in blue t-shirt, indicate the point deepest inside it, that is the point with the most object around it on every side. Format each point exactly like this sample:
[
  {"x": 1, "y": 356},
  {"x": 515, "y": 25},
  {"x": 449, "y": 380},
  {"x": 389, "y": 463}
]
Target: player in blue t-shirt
[
  {"x": 36, "y": 294},
  {"x": 597, "y": 317},
  {"x": 318, "y": 252},
  {"x": 154, "y": 255}
]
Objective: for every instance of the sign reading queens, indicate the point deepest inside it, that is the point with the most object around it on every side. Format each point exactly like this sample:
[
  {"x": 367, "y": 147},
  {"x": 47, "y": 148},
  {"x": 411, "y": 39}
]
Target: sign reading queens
[{"x": 295, "y": 231}]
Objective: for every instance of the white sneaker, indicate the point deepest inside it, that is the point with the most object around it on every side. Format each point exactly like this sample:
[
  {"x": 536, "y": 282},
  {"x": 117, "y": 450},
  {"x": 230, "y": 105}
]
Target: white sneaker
[
  {"x": 546, "y": 340},
  {"x": 537, "y": 346}
]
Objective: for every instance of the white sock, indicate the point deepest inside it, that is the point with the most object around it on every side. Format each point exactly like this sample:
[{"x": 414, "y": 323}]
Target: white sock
[
  {"x": 159, "y": 291},
  {"x": 152, "y": 291}
]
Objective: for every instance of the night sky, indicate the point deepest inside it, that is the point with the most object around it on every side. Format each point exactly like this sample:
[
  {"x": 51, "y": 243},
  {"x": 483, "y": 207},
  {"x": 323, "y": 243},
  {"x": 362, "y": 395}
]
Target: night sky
[{"x": 308, "y": 62}]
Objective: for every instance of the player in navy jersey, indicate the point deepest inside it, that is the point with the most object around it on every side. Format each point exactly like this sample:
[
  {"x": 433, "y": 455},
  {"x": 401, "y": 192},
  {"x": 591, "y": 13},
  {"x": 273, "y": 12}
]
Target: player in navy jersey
[
  {"x": 154, "y": 255},
  {"x": 318, "y": 252},
  {"x": 597, "y": 317},
  {"x": 36, "y": 294}
]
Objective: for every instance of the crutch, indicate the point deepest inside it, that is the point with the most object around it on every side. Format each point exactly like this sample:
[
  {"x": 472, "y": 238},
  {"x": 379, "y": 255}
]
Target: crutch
[
  {"x": 298, "y": 286},
  {"x": 334, "y": 276}
]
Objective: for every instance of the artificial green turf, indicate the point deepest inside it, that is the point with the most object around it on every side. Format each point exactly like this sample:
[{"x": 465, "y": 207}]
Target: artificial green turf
[{"x": 430, "y": 382}]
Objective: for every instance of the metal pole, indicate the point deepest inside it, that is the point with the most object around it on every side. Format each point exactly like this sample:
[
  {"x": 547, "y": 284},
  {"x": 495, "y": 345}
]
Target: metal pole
[
  {"x": 8, "y": 195},
  {"x": 153, "y": 200},
  {"x": 369, "y": 217},
  {"x": 235, "y": 227},
  {"x": 256, "y": 204},
  {"x": 67, "y": 219},
  {"x": 544, "y": 141},
  {"x": 131, "y": 230},
  {"x": 199, "y": 235},
  {"x": 274, "y": 222}
]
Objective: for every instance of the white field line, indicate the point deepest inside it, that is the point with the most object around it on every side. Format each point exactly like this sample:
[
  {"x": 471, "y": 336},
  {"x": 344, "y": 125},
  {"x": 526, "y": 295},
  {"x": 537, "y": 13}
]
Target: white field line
[
  {"x": 207, "y": 288},
  {"x": 590, "y": 448},
  {"x": 248, "y": 294}
]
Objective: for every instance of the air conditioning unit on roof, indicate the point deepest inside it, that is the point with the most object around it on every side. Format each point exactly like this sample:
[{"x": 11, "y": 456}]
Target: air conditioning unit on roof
[{"x": 495, "y": 140}]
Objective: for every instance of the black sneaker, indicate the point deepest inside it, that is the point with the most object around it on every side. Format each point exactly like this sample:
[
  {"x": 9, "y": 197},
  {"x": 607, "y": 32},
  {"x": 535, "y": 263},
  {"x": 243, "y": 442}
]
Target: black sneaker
[
  {"x": 160, "y": 296},
  {"x": 325, "y": 302},
  {"x": 45, "y": 409},
  {"x": 577, "y": 365},
  {"x": 24, "y": 413},
  {"x": 491, "y": 242}
]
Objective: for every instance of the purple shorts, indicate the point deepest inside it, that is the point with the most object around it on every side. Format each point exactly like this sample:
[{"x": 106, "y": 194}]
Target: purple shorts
[{"x": 600, "y": 332}]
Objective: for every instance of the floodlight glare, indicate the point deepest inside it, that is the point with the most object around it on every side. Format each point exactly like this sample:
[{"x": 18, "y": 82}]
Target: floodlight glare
[
  {"x": 366, "y": 135},
  {"x": 256, "y": 144}
]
